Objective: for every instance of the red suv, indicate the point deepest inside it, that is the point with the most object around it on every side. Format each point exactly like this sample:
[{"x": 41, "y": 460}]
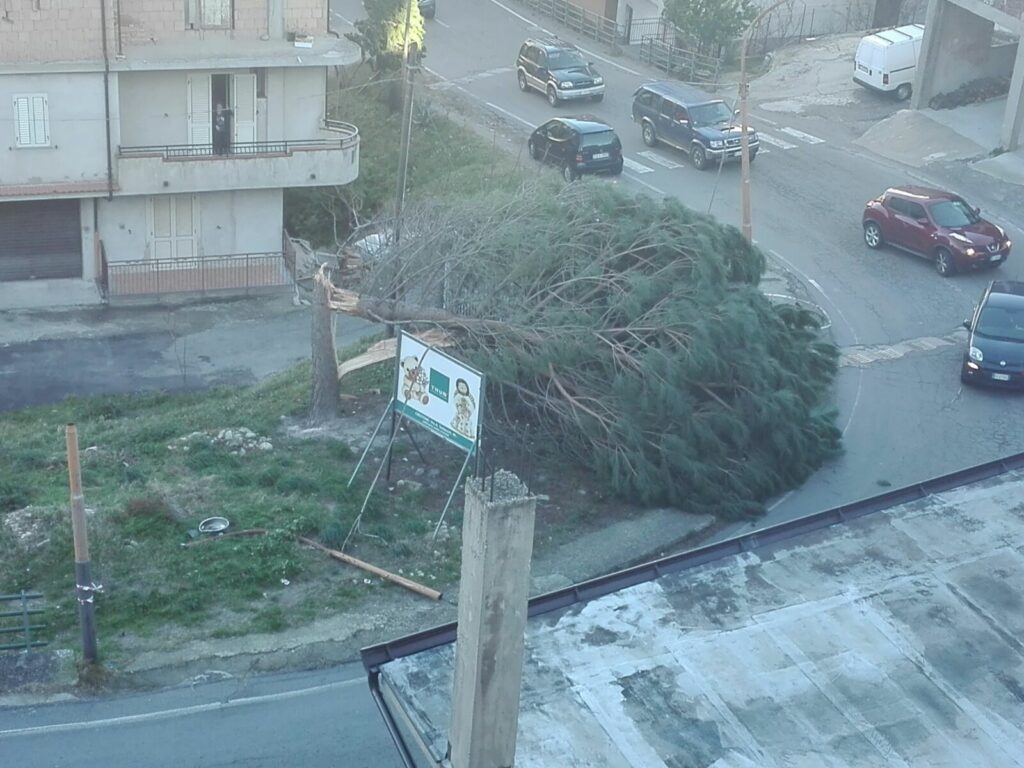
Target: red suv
[{"x": 937, "y": 225}]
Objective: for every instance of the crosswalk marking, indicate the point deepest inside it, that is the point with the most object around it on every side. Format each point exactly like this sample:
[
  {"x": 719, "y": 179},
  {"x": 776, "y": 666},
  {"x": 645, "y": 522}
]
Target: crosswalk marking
[
  {"x": 636, "y": 167},
  {"x": 802, "y": 136},
  {"x": 865, "y": 355},
  {"x": 654, "y": 157},
  {"x": 775, "y": 142}
]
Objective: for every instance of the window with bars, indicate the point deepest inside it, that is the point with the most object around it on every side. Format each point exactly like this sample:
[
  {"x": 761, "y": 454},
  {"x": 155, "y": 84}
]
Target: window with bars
[
  {"x": 31, "y": 120},
  {"x": 209, "y": 14}
]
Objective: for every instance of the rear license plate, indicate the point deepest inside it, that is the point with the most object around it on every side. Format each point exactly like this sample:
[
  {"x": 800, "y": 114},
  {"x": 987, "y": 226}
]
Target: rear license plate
[
  {"x": 599, "y": 155},
  {"x": 861, "y": 67},
  {"x": 1001, "y": 376},
  {"x": 997, "y": 257}
]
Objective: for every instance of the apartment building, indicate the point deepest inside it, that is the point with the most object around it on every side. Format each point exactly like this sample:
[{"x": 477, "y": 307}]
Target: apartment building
[{"x": 145, "y": 144}]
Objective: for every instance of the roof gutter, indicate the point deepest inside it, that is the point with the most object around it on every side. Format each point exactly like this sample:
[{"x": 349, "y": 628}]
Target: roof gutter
[{"x": 389, "y": 720}]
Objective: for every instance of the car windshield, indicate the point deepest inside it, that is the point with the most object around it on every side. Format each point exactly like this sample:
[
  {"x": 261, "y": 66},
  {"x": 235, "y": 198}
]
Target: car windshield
[
  {"x": 1006, "y": 323},
  {"x": 602, "y": 139},
  {"x": 711, "y": 114},
  {"x": 953, "y": 214},
  {"x": 565, "y": 60}
]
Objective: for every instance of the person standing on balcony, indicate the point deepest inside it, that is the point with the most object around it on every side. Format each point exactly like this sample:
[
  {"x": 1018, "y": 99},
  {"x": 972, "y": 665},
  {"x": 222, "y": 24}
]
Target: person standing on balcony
[{"x": 222, "y": 130}]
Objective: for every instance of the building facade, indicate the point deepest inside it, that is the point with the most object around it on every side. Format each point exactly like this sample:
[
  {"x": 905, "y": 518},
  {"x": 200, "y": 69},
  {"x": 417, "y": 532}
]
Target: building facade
[{"x": 146, "y": 144}]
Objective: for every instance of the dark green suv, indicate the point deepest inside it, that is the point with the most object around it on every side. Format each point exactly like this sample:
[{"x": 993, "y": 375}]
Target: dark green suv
[{"x": 558, "y": 70}]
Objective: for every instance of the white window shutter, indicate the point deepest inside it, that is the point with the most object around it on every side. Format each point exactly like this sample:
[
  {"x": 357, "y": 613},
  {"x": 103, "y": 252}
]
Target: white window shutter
[
  {"x": 40, "y": 121},
  {"x": 23, "y": 113}
]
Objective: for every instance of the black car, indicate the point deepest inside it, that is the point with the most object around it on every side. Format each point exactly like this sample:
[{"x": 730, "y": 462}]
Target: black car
[
  {"x": 689, "y": 119},
  {"x": 428, "y": 8},
  {"x": 577, "y": 145},
  {"x": 995, "y": 349},
  {"x": 558, "y": 70}
]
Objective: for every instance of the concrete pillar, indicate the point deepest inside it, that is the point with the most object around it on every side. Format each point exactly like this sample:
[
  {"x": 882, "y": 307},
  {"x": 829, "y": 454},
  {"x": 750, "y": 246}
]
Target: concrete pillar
[
  {"x": 1013, "y": 118},
  {"x": 497, "y": 546},
  {"x": 954, "y": 50}
]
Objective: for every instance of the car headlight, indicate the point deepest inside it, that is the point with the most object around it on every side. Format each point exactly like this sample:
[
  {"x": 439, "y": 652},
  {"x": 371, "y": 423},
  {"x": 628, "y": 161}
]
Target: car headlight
[
  {"x": 717, "y": 143},
  {"x": 1009, "y": 243},
  {"x": 598, "y": 81},
  {"x": 969, "y": 252},
  {"x": 975, "y": 354},
  {"x": 751, "y": 136},
  {"x": 566, "y": 84}
]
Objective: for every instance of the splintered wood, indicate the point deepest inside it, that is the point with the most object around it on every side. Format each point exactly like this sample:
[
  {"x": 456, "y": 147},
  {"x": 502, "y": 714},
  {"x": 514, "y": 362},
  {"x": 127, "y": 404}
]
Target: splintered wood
[{"x": 387, "y": 349}]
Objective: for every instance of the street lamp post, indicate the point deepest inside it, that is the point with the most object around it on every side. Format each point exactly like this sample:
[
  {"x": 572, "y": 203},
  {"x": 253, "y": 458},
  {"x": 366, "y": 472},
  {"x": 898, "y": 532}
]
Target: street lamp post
[{"x": 746, "y": 226}]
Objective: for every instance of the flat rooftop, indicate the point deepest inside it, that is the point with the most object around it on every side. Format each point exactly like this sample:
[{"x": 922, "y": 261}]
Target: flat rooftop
[{"x": 880, "y": 636}]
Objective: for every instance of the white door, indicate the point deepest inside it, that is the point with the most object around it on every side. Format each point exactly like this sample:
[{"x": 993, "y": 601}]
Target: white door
[
  {"x": 173, "y": 226},
  {"x": 200, "y": 124},
  {"x": 243, "y": 96}
]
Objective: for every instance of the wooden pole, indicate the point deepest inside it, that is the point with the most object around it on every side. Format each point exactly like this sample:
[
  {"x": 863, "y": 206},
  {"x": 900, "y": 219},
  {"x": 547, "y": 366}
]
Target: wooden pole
[
  {"x": 419, "y": 589},
  {"x": 85, "y": 589}
]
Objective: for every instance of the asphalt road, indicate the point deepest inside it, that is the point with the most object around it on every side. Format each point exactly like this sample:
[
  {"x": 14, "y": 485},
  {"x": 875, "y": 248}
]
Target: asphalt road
[
  {"x": 904, "y": 420},
  {"x": 314, "y": 720}
]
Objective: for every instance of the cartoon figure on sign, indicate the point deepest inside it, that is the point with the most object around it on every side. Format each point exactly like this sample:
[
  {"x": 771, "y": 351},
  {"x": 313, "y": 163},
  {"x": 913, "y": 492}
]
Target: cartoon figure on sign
[
  {"x": 414, "y": 380},
  {"x": 464, "y": 407}
]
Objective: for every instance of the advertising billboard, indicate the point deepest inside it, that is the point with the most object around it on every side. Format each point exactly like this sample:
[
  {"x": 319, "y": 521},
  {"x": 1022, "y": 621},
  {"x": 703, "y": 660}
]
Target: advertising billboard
[{"x": 438, "y": 392}]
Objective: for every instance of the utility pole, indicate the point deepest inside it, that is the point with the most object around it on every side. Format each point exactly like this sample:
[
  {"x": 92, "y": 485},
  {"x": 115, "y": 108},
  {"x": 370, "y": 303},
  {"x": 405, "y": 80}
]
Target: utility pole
[
  {"x": 746, "y": 225},
  {"x": 85, "y": 589},
  {"x": 408, "y": 51}
]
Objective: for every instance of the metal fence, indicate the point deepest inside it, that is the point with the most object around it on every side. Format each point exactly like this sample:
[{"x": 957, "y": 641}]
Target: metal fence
[
  {"x": 683, "y": 63},
  {"x": 198, "y": 274},
  {"x": 587, "y": 23},
  {"x": 18, "y": 621}
]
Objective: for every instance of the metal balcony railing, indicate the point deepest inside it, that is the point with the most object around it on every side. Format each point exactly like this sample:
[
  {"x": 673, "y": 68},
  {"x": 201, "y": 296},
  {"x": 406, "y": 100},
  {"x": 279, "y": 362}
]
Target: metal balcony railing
[
  {"x": 349, "y": 138},
  {"x": 196, "y": 274}
]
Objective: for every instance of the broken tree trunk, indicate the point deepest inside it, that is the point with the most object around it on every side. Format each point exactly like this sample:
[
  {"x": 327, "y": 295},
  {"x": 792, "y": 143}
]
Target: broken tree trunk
[{"x": 324, "y": 400}]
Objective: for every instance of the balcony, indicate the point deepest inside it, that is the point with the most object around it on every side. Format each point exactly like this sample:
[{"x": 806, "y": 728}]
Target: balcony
[{"x": 331, "y": 159}]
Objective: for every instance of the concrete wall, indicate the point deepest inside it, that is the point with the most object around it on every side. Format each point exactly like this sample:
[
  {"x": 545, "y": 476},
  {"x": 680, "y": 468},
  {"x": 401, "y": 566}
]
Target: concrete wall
[
  {"x": 70, "y": 30},
  {"x": 302, "y": 100},
  {"x": 77, "y": 151},
  {"x": 245, "y": 221}
]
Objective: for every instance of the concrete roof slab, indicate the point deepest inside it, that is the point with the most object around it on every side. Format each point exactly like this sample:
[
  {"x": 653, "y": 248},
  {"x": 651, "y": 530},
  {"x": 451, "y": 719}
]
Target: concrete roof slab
[{"x": 890, "y": 640}]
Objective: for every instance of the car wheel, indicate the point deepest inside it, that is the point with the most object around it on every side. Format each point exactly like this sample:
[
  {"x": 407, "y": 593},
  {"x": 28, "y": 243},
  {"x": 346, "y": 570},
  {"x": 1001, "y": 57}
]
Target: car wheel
[
  {"x": 617, "y": 170},
  {"x": 753, "y": 155},
  {"x": 944, "y": 262},
  {"x": 964, "y": 378},
  {"x": 553, "y": 99},
  {"x": 598, "y": 97},
  {"x": 873, "y": 235},
  {"x": 904, "y": 91},
  {"x": 699, "y": 157},
  {"x": 569, "y": 173},
  {"x": 535, "y": 152},
  {"x": 523, "y": 85},
  {"x": 650, "y": 137}
]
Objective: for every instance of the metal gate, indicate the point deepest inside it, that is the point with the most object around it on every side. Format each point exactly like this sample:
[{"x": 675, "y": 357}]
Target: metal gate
[{"x": 40, "y": 239}]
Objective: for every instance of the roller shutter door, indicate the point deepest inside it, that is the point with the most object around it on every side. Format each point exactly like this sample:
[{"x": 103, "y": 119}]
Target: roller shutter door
[{"x": 41, "y": 239}]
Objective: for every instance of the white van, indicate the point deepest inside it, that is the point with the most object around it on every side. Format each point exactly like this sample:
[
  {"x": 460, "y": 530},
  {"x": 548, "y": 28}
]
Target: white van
[{"x": 886, "y": 61}]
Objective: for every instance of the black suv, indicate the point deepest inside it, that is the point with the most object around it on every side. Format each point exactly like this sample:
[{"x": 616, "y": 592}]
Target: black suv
[
  {"x": 995, "y": 349},
  {"x": 578, "y": 145},
  {"x": 557, "y": 69},
  {"x": 691, "y": 120}
]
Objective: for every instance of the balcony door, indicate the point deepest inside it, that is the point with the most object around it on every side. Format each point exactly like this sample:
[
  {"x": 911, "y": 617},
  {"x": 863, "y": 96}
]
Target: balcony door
[
  {"x": 173, "y": 227},
  {"x": 208, "y": 95}
]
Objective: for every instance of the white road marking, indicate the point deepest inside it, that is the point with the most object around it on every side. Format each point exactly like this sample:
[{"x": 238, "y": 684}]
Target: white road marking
[
  {"x": 548, "y": 32},
  {"x": 167, "y": 714},
  {"x": 636, "y": 167},
  {"x": 506, "y": 112},
  {"x": 860, "y": 356},
  {"x": 651, "y": 187},
  {"x": 438, "y": 21},
  {"x": 654, "y": 157},
  {"x": 802, "y": 136},
  {"x": 338, "y": 16},
  {"x": 765, "y": 120},
  {"x": 766, "y": 139}
]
